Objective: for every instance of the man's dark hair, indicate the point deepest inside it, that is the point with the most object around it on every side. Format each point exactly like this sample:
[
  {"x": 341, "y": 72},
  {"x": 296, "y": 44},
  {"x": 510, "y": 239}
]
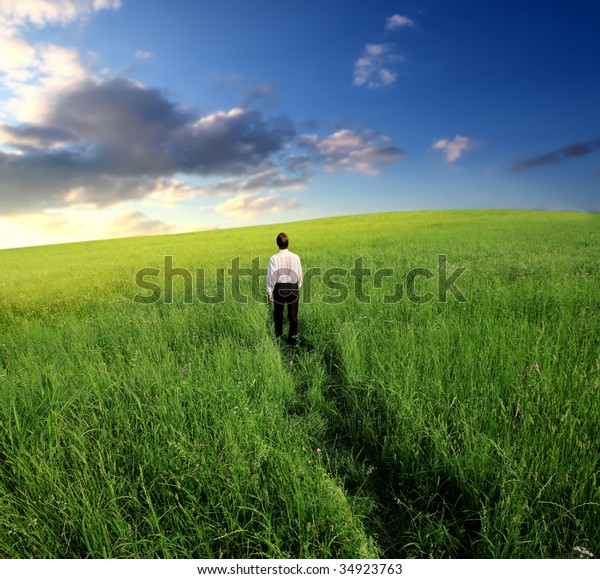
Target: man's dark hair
[{"x": 282, "y": 241}]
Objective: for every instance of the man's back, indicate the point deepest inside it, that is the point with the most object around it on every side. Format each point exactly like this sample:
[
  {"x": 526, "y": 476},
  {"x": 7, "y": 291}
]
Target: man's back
[{"x": 284, "y": 267}]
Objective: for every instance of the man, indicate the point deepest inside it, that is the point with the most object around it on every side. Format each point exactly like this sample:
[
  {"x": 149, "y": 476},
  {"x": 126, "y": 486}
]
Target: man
[{"x": 284, "y": 279}]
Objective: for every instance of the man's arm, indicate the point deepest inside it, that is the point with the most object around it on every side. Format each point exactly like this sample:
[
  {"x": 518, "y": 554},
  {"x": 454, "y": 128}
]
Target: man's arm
[
  {"x": 270, "y": 279},
  {"x": 299, "y": 272}
]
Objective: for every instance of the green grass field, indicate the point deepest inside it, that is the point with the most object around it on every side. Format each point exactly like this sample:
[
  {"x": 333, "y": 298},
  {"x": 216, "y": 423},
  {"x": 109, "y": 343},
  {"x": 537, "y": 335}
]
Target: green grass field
[{"x": 441, "y": 429}]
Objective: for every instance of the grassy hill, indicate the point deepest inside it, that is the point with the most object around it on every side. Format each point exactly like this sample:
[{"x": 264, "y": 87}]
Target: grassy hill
[{"x": 443, "y": 401}]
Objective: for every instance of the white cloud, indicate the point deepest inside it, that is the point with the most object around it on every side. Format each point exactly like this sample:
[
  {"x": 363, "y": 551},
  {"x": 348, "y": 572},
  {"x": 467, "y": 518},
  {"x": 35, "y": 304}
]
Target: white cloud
[
  {"x": 32, "y": 74},
  {"x": 398, "y": 21},
  {"x": 387, "y": 76},
  {"x": 81, "y": 224},
  {"x": 34, "y": 87},
  {"x": 167, "y": 193},
  {"x": 454, "y": 149},
  {"x": 143, "y": 55},
  {"x": 246, "y": 205},
  {"x": 375, "y": 67},
  {"x": 60, "y": 63},
  {"x": 353, "y": 151},
  {"x": 16, "y": 55},
  {"x": 16, "y": 13},
  {"x": 130, "y": 223}
]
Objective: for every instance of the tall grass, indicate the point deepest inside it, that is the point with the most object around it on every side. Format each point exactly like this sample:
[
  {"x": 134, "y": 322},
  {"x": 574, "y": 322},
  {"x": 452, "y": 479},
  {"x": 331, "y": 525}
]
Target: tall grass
[{"x": 394, "y": 430}]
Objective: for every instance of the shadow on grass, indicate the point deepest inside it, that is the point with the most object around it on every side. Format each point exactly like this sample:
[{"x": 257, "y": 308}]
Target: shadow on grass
[{"x": 418, "y": 508}]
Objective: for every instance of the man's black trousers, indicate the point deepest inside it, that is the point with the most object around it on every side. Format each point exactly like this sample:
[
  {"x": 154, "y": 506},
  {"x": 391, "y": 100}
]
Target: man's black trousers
[{"x": 286, "y": 293}]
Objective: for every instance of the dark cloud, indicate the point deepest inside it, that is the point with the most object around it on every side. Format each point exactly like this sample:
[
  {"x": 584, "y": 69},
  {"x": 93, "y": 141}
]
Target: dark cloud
[
  {"x": 268, "y": 179},
  {"x": 274, "y": 180},
  {"x": 36, "y": 181},
  {"x": 137, "y": 130},
  {"x": 96, "y": 132},
  {"x": 31, "y": 136},
  {"x": 564, "y": 153},
  {"x": 235, "y": 142},
  {"x": 101, "y": 143},
  {"x": 298, "y": 163}
]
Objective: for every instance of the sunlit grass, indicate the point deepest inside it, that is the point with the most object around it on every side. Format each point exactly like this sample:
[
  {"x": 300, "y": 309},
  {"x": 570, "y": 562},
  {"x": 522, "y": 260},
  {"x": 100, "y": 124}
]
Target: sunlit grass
[{"x": 184, "y": 430}]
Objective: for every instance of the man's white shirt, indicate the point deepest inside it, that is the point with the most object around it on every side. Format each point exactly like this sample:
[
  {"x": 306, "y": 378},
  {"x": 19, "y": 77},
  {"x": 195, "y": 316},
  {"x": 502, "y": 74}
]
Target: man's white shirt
[{"x": 284, "y": 267}]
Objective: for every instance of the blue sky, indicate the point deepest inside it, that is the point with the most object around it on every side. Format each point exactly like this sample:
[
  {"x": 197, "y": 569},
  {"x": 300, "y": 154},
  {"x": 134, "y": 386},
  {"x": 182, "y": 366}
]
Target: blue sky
[{"x": 131, "y": 117}]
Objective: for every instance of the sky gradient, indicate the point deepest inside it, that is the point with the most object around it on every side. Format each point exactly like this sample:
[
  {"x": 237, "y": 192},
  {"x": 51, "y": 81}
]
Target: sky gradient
[{"x": 131, "y": 117}]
